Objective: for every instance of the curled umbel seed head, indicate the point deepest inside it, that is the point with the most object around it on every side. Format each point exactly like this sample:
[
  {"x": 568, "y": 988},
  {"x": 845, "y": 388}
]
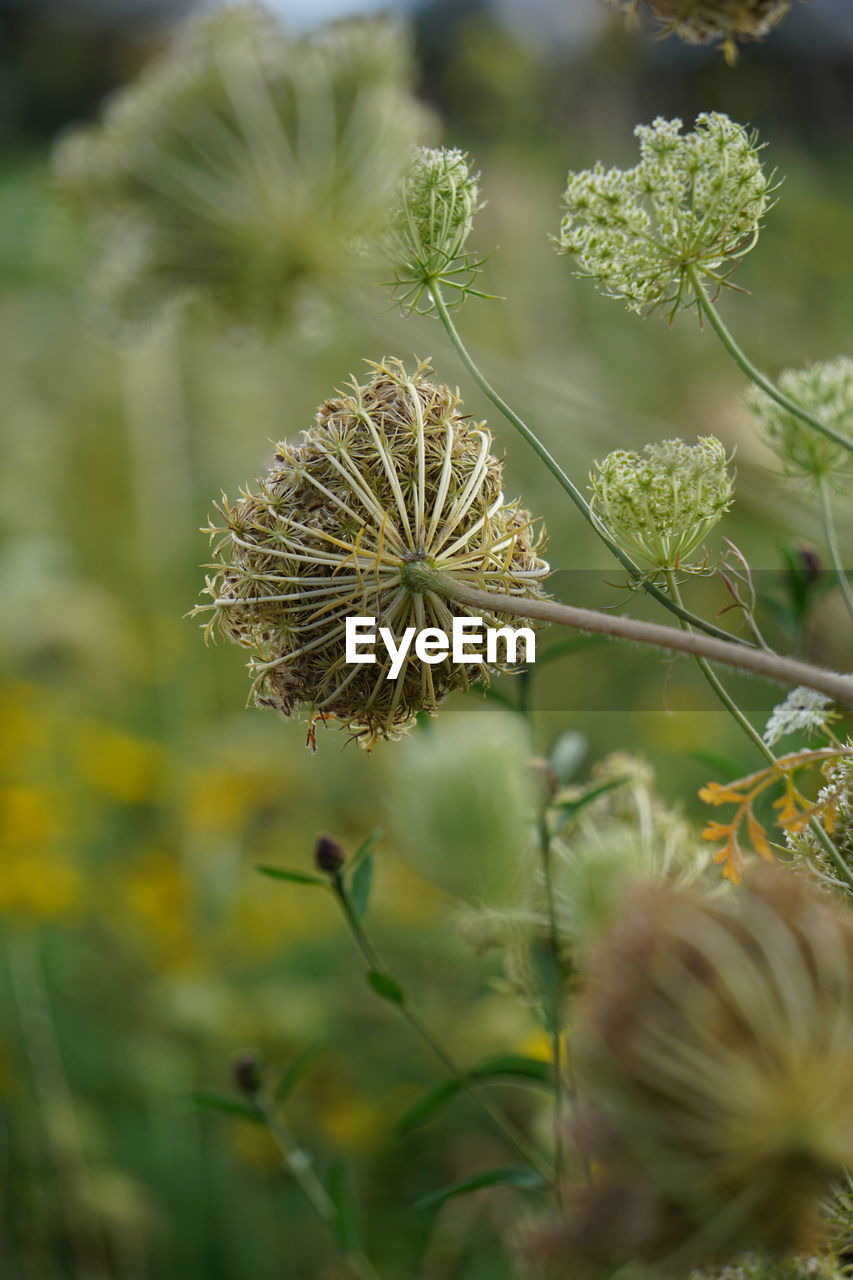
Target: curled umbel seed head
[
  {"x": 714, "y": 1050},
  {"x": 393, "y": 478},
  {"x": 430, "y": 225},
  {"x": 661, "y": 503},
  {"x": 824, "y": 389},
  {"x": 693, "y": 203},
  {"x": 715, "y": 21},
  {"x": 242, "y": 167}
]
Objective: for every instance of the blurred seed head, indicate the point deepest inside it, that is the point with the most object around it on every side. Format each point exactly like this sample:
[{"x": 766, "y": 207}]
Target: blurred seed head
[
  {"x": 659, "y": 505},
  {"x": 462, "y": 803},
  {"x": 715, "y": 21},
  {"x": 714, "y": 1048},
  {"x": 245, "y": 166},
  {"x": 694, "y": 200},
  {"x": 392, "y": 475},
  {"x": 824, "y": 389},
  {"x": 430, "y": 225}
]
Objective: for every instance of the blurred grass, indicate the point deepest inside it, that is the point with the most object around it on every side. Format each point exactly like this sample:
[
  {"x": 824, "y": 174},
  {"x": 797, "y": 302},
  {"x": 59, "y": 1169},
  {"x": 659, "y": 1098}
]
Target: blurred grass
[{"x": 140, "y": 951}]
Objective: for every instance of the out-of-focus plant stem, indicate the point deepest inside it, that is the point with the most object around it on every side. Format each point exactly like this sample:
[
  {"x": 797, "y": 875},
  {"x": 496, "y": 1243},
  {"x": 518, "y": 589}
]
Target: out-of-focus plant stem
[
  {"x": 374, "y": 964},
  {"x": 832, "y": 543}
]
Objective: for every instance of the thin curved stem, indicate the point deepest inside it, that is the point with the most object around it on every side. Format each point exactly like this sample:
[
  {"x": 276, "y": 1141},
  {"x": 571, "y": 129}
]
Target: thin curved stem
[
  {"x": 565, "y": 481},
  {"x": 511, "y": 1133},
  {"x": 742, "y": 360},
  {"x": 831, "y": 536},
  {"x": 770, "y": 666},
  {"x": 555, "y": 1017}
]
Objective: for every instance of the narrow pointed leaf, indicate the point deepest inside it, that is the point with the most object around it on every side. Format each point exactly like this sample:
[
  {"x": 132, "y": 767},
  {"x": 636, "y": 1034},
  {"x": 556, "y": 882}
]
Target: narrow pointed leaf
[
  {"x": 509, "y": 1067},
  {"x": 386, "y": 987},
  {"x": 293, "y": 877},
  {"x": 228, "y": 1104},
  {"x": 360, "y": 886},
  {"x": 340, "y": 1192},
  {"x": 514, "y": 1175},
  {"x": 293, "y": 1073}
]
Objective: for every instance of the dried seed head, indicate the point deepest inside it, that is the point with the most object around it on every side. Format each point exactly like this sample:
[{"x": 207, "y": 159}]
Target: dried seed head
[
  {"x": 660, "y": 504},
  {"x": 715, "y": 1049},
  {"x": 825, "y": 390},
  {"x": 712, "y": 21},
  {"x": 430, "y": 226},
  {"x": 392, "y": 476},
  {"x": 694, "y": 201},
  {"x": 242, "y": 167}
]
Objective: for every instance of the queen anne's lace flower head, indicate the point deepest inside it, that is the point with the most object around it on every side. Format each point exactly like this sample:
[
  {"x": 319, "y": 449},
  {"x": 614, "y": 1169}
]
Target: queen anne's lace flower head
[
  {"x": 392, "y": 476},
  {"x": 824, "y": 389},
  {"x": 244, "y": 166},
  {"x": 430, "y": 225},
  {"x": 661, "y": 503},
  {"x": 835, "y": 802},
  {"x": 803, "y": 711},
  {"x": 694, "y": 202},
  {"x": 712, "y": 21}
]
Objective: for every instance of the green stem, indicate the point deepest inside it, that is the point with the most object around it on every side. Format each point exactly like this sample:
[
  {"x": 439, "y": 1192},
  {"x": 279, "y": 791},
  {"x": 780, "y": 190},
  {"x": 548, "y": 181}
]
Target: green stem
[
  {"x": 566, "y": 483},
  {"x": 555, "y": 1017},
  {"x": 832, "y": 543},
  {"x": 741, "y": 359},
  {"x": 752, "y": 733},
  {"x": 371, "y": 958},
  {"x": 298, "y": 1165}
]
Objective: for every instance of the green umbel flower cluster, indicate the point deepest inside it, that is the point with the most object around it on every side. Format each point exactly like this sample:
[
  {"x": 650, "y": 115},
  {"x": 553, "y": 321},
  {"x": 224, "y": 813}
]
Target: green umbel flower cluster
[
  {"x": 244, "y": 167},
  {"x": 835, "y": 799},
  {"x": 392, "y": 475},
  {"x": 694, "y": 202},
  {"x": 711, "y": 21},
  {"x": 430, "y": 227},
  {"x": 825, "y": 390},
  {"x": 660, "y": 504}
]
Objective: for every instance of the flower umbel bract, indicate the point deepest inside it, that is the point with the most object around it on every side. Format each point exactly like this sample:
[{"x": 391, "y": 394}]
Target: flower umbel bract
[
  {"x": 695, "y": 202},
  {"x": 660, "y": 504},
  {"x": 243, "y": 167},
  {"x": 430, "y": 226},
  {"x": 391, "y": 476}
]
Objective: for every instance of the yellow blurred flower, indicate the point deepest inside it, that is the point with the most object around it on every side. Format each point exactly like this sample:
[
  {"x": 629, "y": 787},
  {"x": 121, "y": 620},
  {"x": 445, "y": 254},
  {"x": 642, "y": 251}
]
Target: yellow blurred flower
[
  {"x": 119, "y": 765},
  {"x": 40, "y": 887}
]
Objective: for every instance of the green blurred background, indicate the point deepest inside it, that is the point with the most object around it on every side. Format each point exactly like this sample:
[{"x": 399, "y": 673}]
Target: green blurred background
[{"x": 139, "y": 949}]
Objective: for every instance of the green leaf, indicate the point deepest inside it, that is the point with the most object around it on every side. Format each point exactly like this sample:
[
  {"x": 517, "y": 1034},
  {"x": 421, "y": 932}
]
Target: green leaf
[
  {"x": 228, "y": 1104},
  {"x": 347, "y": 1227},
  {"x": 565, "y": 647},
  {"x": 292, "y": 877},
  {"x": 507, "y": 1066},
  {"x": 293, "y": 1073},
  {"x": 551, "y": 982},
  {"x": 513, "y": 1175},
  {"x": 360, "y": 885},
  {"x": 366, "y": 848},
  {"x": 386, "y": 987},
  {"x": 569, "y": 809}
]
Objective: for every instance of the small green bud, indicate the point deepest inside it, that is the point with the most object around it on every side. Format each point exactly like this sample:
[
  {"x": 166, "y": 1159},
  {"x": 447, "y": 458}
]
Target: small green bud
[
  {"x": 659, "y": 505},
  {"x": 438, "y": 198},
  {"x": 825, "y": 390},
  {"x": 694, "y": 201},
  {"x": 247, "y": 1072}
]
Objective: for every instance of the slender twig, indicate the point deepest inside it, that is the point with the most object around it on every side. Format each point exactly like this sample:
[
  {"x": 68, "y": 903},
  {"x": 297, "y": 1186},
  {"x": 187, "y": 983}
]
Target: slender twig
[
  {"x": 742, "y": 360},
  {"x": 566, "y": 483},
  {"x": 770, "y": 666},
  {"x": 831, "y": 536},
  {"x": 555, "y": 1013},
  {"x": 374, "y": 964}
]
